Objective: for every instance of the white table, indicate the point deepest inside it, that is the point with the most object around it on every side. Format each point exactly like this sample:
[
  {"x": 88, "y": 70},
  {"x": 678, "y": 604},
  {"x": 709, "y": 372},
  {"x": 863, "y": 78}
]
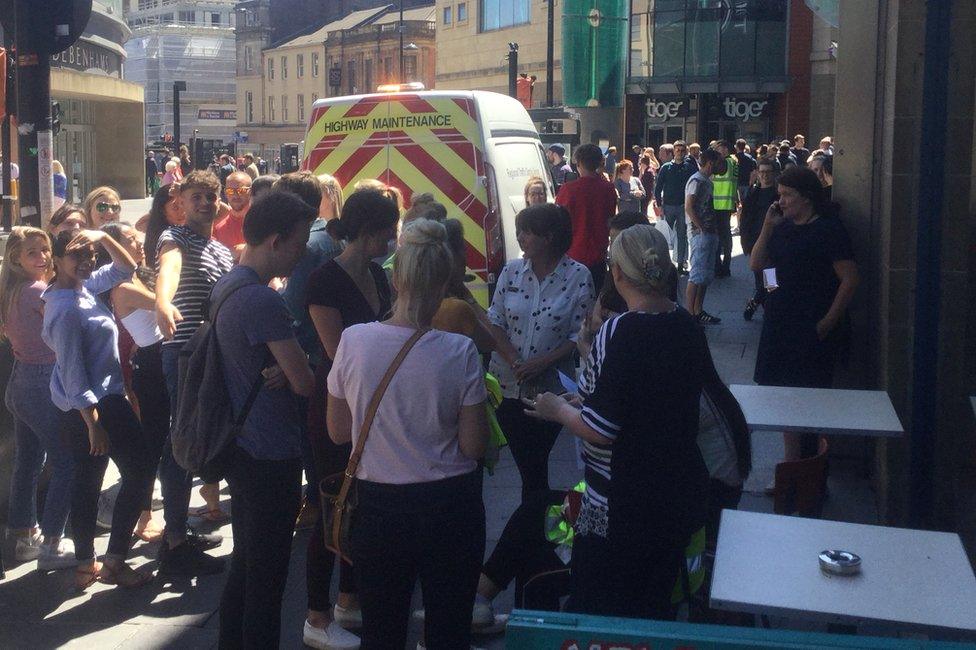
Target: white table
[
  {"x": 818, "y": 410},
  {"x": 767, "y": 564}
]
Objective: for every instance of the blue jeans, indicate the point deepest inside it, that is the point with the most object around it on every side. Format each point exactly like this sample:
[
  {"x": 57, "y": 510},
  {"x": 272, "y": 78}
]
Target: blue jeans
[
  {"x": 37, "y": 431},
  {"x": 675, "y": 216},
  {"x": 175, "y": 481}
]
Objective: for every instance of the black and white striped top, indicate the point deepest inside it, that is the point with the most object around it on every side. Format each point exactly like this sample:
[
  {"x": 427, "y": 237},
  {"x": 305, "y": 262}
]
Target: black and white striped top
[{"x": 204, "y": 262}]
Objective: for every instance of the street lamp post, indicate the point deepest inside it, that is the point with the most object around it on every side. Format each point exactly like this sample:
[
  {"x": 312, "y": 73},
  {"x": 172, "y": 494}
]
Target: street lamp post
[
  {"x": 400, "y": 29},
  {"x": 177, "y": 87}
]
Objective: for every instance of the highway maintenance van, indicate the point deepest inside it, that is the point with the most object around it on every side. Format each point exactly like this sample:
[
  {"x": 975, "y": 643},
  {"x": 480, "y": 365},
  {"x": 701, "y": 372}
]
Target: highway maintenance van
[{"x": 473, "y": 150}]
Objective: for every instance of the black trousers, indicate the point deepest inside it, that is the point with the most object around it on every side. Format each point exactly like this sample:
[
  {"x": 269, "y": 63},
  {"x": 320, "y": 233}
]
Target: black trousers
[
  {"x": 599, "y": 273},
  {"x": 720, "y": 497},
  {"x": 723, "y": 224},
  {"x": 531, "y": 442},
  {"x": 266, "y": 495},
  {"x": 320, "y": 562},
  {"x": 432, "y": 531},
  {"x": 149, "y": 386},
  {"x": 128, "y": 449},
  {"x": 632, "y": 580},
  {"x": 523, "y": 552}
]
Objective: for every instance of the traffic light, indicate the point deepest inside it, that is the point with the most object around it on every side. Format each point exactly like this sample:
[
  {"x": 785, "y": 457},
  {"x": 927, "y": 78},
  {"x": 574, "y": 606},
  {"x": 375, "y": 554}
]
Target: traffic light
[{"x": 55, "y": 118}]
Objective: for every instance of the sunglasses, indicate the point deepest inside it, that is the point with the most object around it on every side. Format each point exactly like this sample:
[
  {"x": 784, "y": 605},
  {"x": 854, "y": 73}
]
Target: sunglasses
[
  {"x": 102, "y": 206},
  {"x": 240, "y": 191}
]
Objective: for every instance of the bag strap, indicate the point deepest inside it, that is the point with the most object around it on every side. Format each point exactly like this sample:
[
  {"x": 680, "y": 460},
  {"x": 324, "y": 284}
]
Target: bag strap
[
  {"x": 214, "y": 306},
  {"x": 374, "y": 405}
]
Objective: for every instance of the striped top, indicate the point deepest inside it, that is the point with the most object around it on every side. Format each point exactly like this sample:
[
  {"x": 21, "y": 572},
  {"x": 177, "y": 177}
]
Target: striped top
[{"x": 204, "y": 262}]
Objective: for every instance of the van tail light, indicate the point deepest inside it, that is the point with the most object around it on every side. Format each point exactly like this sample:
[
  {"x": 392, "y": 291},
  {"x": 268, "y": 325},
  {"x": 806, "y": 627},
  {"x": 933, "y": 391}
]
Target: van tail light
[{"x": 494, "y": 242}]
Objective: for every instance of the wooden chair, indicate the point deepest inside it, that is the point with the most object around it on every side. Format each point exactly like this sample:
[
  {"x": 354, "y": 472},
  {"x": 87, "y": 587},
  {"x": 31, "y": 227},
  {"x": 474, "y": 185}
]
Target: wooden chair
[{"x": 801, "y": 485}]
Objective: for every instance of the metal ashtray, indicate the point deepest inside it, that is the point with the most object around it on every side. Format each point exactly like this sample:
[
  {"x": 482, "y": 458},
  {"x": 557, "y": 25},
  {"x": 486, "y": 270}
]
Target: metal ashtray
[{"x": 841, "y": 563}]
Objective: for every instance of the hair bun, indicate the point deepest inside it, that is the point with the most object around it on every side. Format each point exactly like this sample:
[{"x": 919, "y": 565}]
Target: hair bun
[
  {"x": 652, "y": 267},
  {"x": 423, "y": 232}
]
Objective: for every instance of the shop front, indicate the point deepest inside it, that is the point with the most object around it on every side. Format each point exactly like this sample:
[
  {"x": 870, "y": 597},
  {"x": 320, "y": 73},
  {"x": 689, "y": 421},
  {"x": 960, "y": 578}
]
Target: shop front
[{"x": 702, "y": 117}]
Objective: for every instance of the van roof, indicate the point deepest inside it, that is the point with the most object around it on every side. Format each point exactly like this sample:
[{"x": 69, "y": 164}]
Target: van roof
[{"x": 499, "y": 113}]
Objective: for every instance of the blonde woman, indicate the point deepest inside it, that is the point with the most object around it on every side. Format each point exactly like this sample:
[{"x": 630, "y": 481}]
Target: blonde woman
[
  {"x": 60, "y": 184},
  {"x": 102, "y": 206},
  {"x": 535, "y": 191},
  {"x": 331, "y": 205},
  {"x": 27, "y": 267},
  {"x": 420, "y": 514},
  {"x": 628, "y": 550}
]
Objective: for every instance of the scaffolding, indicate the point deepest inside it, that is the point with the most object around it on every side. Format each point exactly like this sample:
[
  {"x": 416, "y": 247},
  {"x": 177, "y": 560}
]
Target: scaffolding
[{"x": 161, "y": 52}]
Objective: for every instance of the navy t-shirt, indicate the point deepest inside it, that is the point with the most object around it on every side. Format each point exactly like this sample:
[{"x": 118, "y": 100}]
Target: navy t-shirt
[{"x": 252, "y": 317}]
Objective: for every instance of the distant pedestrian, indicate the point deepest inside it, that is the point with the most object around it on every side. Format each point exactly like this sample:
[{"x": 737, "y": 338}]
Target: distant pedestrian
[
  {"x": 229, "y": 230},
  {"x": 591, "y": 200},
  {"x": 535, "y": 191},
  {"x": 725, "y": 181},
  {"x": 702, "y": 235},
  {"x": 152, "y": 174},
  {"x": 186, "y": 165},
  {"x": 799, "y": 150},
  {"x": 250, "y": 167},
  {"x": 762, "y": 195},
  {"x": 669, "y": 195},
  {"x": 630, "y": 192},
  {"x": 559, "y": 166},
  {"x": 610, "y": 162}
]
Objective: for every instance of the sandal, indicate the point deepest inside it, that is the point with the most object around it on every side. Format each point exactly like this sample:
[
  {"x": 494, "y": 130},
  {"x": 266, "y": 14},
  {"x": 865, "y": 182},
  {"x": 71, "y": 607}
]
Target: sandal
[
  {"x": 85, "y": 577},
  {"x": 214, "y": 516},
  {"x": 125, "y": 576}
]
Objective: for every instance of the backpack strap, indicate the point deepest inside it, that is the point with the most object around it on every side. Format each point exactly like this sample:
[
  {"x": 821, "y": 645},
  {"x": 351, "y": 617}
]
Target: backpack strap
[{"x": 214, "y": 307}]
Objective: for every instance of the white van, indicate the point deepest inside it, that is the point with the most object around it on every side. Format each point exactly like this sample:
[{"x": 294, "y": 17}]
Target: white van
[{"x": 473, "y": 150}]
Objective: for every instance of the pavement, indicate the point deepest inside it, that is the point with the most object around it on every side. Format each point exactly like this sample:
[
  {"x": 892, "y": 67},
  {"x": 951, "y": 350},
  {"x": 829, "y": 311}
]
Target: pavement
[{"x": 43, "y": 611}]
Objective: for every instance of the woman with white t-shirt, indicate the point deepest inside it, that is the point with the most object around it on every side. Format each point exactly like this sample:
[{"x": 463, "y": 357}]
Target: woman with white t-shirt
[{"x": 420, "y": 512}]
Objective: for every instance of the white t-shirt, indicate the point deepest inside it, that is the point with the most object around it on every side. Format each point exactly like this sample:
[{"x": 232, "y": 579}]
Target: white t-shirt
[{"x": 414, "y": 437}]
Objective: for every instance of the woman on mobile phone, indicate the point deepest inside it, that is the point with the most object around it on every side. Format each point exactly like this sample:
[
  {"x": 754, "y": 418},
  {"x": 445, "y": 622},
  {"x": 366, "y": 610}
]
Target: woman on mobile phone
[{"x": 806, "y": 314}]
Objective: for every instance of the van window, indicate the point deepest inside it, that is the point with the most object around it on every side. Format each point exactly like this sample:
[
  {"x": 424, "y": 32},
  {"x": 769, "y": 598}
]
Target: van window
[{"x": 515, "y": 164}]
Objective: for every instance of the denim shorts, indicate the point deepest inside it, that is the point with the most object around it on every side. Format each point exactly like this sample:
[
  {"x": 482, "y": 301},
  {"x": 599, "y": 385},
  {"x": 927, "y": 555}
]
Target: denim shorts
[{"x": 704, "y": 249}]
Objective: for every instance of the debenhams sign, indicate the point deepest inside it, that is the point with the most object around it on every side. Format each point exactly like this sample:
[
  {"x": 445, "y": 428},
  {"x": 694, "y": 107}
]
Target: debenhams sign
[{"x": 90, "y": 58}]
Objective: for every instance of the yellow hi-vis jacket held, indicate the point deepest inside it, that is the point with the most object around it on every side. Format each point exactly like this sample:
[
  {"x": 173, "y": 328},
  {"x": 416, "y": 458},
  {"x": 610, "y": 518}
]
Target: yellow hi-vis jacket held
[{"x": 725, "y": 186}]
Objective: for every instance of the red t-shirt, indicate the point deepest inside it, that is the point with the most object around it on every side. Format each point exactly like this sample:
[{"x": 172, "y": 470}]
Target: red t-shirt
[
  {"x": 591, "y": 201},
  {"x": 229, "y": 231}
]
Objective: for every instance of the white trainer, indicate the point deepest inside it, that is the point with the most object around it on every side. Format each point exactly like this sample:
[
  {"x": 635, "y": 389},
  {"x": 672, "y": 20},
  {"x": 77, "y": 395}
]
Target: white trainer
[
  {"x": 28, "y": 548},
  {"x": 57, "y": 556},
  {"x": 333, "y": 637}
]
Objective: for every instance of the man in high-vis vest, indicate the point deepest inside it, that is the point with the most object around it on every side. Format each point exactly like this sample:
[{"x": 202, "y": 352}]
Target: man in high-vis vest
[{"x": 724, "y": 201}]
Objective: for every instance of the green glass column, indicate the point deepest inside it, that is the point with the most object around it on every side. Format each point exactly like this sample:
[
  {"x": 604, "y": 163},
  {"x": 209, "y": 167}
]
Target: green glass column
[{"x": 594, "y": 57}]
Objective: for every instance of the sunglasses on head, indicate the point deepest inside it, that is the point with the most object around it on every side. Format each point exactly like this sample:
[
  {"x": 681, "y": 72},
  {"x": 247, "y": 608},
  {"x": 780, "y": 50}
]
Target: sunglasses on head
[
  {"x": 102, "y": 206},
  {"x": 240, "y": 191}
]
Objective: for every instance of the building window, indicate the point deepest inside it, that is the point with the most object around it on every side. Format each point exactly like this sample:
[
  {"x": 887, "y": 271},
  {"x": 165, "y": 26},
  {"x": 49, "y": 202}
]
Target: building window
[
  {"x": 249, "y": 107},
  {"x": 635, "y": 26},
  {"x": 215, "y": 19},
  {"x": 284, "y": 71},
  {"x": 368, "y": 76},
  {"x": 498, "y": 14},
  {"x": 388, "y": 69},
  {"x": 448, "y": 11},
  {"x": 248, "y": 59},
  {"x": 699, "y": 41},
  {"x": 271, "y": 109},
  {"x": 410, "y": 68},
  {"x": 299, "y": 65},
  {"x": 301, "y": 108},
  {"x": 187, "y": 16},
  {"x": 284, "y": 108},
  {"x": 315, "y": 64},
  {"x": 462, "y": 12},
  {"x": 351, "y": 77},
  {"x": 270, "y": 69}
]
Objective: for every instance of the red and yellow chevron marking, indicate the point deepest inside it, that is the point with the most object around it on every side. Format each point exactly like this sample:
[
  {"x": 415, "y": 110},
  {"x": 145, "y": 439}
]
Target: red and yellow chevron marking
[{"x": 416, "y": 143}]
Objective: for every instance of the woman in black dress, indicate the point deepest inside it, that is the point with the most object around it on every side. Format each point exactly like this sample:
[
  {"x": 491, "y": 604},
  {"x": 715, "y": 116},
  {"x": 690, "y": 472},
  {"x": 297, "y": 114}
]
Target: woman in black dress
[
  {"x": 347, "y": 290},
  {"x": 646, "y": 482},
  {"x": 805, "y": 316}
]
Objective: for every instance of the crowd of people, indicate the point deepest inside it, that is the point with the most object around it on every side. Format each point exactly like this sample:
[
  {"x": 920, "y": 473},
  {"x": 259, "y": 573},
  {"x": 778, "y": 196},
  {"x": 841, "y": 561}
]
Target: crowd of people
[{"x": 331, "y": 306}]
